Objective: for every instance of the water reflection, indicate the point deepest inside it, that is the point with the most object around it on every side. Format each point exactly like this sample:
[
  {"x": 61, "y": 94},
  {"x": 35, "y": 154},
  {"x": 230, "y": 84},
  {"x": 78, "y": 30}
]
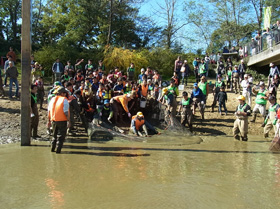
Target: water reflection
[{"x": 56, "y": 196}]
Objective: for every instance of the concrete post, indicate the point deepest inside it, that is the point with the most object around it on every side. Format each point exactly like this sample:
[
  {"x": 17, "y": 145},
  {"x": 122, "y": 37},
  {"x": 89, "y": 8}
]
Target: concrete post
[{"x": 25, "y": 73}]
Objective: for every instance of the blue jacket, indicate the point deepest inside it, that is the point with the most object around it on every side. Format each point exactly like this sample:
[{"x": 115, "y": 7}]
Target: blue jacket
[
  {"x": 197, "y": 93},
  {"x": 61, "y": 67}
]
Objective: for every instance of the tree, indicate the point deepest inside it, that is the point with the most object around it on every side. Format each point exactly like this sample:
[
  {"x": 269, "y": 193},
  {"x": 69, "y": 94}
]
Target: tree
[
  {"x": 10, "y": 13},
  {"x": 197, "y": 16},
  {"x": 258, "y": 5},
  {"x": 167, "y": 13}
]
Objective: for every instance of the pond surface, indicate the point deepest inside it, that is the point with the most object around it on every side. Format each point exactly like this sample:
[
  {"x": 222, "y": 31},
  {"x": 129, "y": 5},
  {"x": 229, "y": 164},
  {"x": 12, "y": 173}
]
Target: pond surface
[{"x": 164, "y": 172}]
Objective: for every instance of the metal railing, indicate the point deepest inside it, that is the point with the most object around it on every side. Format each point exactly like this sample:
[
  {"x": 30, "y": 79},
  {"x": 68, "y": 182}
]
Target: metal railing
[{"x": 261, "y": 43}]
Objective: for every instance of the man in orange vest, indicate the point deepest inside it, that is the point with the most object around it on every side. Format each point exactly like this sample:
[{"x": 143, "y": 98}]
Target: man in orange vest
[
  {"x": 120, "y": 104},
  {"x": 59, "y": 115},
  {"x": 138, "y": 124}
]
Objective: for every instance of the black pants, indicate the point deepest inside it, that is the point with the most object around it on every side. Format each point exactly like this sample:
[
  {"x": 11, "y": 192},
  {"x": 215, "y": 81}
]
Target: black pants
[{"x": 59, "y": 134}]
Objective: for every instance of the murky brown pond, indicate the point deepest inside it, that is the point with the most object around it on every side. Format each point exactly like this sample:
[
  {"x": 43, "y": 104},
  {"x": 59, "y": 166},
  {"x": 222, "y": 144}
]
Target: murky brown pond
[{"x": 165, "y": 172}]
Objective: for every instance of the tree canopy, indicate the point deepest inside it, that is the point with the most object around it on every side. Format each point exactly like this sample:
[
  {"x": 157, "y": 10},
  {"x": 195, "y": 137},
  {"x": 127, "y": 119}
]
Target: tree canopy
[{"x": 96, "y": 27}]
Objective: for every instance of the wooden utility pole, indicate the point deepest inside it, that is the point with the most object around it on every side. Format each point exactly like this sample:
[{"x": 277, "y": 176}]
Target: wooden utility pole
[{"x": 25, "y": 73}]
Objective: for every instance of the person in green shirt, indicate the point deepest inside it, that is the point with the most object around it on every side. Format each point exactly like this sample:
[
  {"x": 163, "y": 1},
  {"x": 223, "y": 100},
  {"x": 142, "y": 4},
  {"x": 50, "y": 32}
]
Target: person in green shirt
[
  {"x": 204, "y": 86},
  {"x": 271, "y": 119},
  {"x": 218, "y": 84},
  {"x": 173, "y": 88},
  {"x": 185, "y": 110},
  {"x": 130, "y": 71},
  {"x": 240, "y": 126},
  {"x": 261, "y": 100}
]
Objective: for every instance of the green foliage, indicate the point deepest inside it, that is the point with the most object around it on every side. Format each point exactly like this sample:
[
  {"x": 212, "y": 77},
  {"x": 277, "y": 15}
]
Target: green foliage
[
  {"x": 123, "y": 57},
  {"x": 256, "y": 75}
]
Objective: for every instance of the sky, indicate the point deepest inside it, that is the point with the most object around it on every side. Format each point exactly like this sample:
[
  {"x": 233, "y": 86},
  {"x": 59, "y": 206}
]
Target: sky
[{"x": 151, "y": 9}]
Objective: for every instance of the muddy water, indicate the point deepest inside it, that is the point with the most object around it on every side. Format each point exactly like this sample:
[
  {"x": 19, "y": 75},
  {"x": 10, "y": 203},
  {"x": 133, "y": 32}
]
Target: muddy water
[{"x": 164, "y": 172}]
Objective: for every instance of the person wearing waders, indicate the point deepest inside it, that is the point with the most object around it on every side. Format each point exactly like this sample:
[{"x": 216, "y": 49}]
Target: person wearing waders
[
  {"x": 204, "y": 86},
  {"x": 34, "y": 112},
  {"x": 185, "y": 110},
  {"x": 139, "y": 125},
  {"x": 246, "y": 86},
  {"x": 218, "y": 84},
  {"x": 235, "y": 79},
  {"x": 261, "y": 100},
  {"x": 59, "y": 118},
  {"x": 270, "y": 120},
  {"x": 240, "y": 125},
  {"x": 198, "y": 100},
  {"x": 169, "y": 100}
]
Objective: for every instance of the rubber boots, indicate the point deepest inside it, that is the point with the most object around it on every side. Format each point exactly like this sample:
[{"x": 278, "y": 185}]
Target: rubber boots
[
  {"x": 53, "y": 147},
  {"x": 254, "y": 117},
  {"x": 59, "y": 147}
]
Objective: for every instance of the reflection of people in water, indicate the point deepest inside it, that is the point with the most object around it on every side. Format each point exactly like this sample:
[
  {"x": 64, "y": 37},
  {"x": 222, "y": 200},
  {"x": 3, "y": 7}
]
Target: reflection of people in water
[{"x": 57, "y": 197}]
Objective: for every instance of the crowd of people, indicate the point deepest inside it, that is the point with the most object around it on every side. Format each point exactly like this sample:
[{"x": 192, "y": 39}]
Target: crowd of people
[{"x": 86, "y": 93}]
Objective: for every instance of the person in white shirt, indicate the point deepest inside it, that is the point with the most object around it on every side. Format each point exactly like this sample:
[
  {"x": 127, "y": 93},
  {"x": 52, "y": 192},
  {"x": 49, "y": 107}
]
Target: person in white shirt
[{"x": 245, "y": 84}]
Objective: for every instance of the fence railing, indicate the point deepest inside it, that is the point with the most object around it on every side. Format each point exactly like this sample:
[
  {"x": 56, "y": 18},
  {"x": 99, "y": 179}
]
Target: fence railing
[{"x": 261, "y": 43}]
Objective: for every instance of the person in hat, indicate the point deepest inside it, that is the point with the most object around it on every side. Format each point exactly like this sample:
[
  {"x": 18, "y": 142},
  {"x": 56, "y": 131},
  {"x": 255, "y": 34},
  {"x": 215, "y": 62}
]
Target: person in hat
[
  {"x": 236, "y": 79},
  {"x": 169, "y": 99},
  {"x": 240, "y": 126},
  {"x": 36, "y": 72},
  {"x": 120, "y": 104},
  {"x": 261, "y": 100},
  {"x": 185, "y": 110},
  {"x": 139, "y": 124},
  {"x": 246, "y": 86},
  {"x": 270, "y": 120},
  {"x": 198, "y": 100},
  {"x": 59, "y": 118},
  {"x": 272, "y": 72},
  {"x": 107, "y": 112}
]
